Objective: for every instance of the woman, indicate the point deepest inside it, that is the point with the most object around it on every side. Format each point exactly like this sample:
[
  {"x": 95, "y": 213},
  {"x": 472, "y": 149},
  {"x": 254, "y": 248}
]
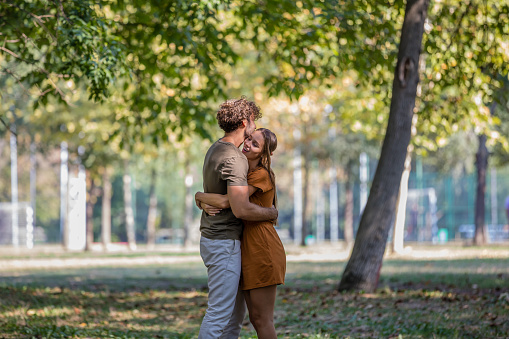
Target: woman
[{"x": 263, "y": 254}]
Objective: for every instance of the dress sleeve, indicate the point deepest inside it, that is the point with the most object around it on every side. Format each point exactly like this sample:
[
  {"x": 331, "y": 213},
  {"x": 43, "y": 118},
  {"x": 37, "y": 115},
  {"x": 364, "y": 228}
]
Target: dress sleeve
[
  {"x": 234, "y": 171},
  {"x": 260, "y": 178}
]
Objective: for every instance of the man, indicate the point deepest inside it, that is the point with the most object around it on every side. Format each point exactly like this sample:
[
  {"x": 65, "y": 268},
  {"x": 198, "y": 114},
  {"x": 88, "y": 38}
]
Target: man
[{"x": 225, "y": 172}]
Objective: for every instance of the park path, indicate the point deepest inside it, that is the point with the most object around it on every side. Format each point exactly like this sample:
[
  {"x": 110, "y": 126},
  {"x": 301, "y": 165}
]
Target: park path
[{"x": 56, "y": 258}]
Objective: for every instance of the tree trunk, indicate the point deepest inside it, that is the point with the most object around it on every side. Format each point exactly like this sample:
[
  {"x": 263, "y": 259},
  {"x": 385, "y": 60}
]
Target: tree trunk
[
  {"x": 152, "y": 211},
  {"x": 33, "y": 180},
  {"x": 92, "y": 199},
  {"x": 64, "y": 194},
  {"x": 320, "y": 209},
  {"x": 188, "y": 206},
  {"x": 482, "y": 164},
  {"x": 128, "y": 208},
  {"x": 348, "y": 232},
  {"x": 14, "y": 188},
  {"x": 106, "y": 210},
  {"x": 363, "y": 269},
  {"x": 399, "y": 222},
  {"x": 305, "y": 199},
  {"x": 333, "y": 205}
]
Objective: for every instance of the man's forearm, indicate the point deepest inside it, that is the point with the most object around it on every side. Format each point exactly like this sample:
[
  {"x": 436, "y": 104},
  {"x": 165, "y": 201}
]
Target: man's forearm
[{"x": 253, "y": 212}]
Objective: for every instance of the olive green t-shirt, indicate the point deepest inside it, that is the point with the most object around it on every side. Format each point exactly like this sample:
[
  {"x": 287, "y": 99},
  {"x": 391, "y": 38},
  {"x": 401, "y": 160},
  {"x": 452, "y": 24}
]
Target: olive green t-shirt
[{"x": 224, "y": 166}]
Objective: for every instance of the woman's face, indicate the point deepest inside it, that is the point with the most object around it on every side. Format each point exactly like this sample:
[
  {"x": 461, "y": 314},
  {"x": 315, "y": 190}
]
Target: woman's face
[{"x": 253, "y": 146}]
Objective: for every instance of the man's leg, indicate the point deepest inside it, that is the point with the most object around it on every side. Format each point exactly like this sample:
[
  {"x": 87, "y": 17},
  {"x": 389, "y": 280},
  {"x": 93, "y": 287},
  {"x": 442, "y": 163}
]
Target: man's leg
[
  {"x": 232, "y": 330},
  {"x": 222, "y": 259}
]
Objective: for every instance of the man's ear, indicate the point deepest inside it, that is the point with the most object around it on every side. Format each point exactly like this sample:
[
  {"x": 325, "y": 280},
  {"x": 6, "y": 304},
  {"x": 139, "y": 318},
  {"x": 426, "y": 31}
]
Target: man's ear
[{"x": 244, "y": 122}]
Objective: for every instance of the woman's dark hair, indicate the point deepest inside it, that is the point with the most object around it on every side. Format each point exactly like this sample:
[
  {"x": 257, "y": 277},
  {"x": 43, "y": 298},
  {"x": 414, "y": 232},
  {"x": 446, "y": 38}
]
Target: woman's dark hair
[
  {"x": 269, "y": 146},
  {"x": 233, "y": 111}
]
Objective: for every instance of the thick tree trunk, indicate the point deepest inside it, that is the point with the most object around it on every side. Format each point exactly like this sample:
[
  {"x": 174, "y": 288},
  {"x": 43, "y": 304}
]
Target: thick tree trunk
[
  {"x": 399, "y": 222},
  {"x": 106, "y": 210},
  {"x": 348, "y": 232},
  {"x": 128, "y": 208},
  {"x": 363, "y": 269},
  {"x": 482, "y": 164},
  {"x": 152, "y": 210}
]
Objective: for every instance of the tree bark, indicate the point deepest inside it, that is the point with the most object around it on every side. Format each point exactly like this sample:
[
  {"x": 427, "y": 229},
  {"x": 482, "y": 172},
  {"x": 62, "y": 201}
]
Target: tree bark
[
  {"x": 152, "y": 210},
  {"x": 92, "y": 199},
  {"x": 188, "y": 206},
  {"x": 305, "y": 200},
  {"x": 399, "y": 222},
  {"x": 363, "y": 269},
  {"x": 348, "y": 232},
  {"x": 106, "y": 210},
  {"x": 333, "y": 205},
  {"x": 128, "y": 208},
  {"x": 33, "y": 180},
  {"x": 482, "y": 164}
]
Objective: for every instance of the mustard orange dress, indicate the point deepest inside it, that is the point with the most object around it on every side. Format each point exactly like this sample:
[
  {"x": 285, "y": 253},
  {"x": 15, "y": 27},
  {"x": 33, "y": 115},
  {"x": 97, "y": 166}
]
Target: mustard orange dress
[{"x": 263, "y": 254}]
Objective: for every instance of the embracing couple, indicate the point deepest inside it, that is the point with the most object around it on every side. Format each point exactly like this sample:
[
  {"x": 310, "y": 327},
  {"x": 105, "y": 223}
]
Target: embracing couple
[{"x": 239, "y": 245}]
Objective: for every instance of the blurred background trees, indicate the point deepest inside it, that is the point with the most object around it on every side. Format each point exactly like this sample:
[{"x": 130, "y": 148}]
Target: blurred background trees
[{"x": 131, "y": 87}]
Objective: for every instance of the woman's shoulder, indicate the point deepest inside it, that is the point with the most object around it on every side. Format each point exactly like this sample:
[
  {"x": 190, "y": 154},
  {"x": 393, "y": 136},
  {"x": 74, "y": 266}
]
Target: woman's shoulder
[
  {"x": 259, "y": 172},
  {"x": 259, "y": 177}
]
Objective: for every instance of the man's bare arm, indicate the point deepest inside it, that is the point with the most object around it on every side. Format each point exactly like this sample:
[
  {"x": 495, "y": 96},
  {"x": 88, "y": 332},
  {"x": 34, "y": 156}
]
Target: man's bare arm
[
  {"x": 217, "y": 200},
  {"x": 243, "y": 209}
]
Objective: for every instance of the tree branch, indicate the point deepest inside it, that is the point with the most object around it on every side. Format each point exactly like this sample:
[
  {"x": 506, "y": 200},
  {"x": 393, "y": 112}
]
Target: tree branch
[
  {"x": 458, "y": 26},
  {"x": 7, "y": 127},
  {"x": 10, "y": 52}
]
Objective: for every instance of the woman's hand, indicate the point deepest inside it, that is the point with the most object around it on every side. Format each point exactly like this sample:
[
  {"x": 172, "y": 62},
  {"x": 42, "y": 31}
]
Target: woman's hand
[
  {"x": 209, "y": 209},
  {"x": 197, "y": 201}
]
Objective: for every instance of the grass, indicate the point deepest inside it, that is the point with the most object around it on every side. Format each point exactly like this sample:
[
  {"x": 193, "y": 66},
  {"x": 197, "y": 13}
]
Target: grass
[{"x": 417, "y": 298}]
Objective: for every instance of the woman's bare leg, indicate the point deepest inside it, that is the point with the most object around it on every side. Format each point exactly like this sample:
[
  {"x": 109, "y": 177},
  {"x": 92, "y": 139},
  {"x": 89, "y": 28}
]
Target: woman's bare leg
[{"x": 260, "y": 303}]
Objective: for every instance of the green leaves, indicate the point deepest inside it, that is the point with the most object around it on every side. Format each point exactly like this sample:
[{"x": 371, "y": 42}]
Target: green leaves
[{"x": 47, "y": 42}]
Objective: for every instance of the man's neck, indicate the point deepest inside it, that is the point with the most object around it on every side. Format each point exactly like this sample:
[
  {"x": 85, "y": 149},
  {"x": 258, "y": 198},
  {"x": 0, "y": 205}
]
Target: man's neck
[{"x": 235, "y": 137}]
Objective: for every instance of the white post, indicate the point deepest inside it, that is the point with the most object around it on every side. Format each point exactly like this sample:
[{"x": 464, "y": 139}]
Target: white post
[
  {"x": 364, "y": 174},
  {"x": 30, "y": 227},
  {"x": 14, "y": 187},
  {"x": 64, "y": 181},
  {"x": 333, "y": 206}
]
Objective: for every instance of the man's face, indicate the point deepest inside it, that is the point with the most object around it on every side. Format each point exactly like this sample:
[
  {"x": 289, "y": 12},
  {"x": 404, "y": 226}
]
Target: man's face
[{"x": 250, "y": 127}]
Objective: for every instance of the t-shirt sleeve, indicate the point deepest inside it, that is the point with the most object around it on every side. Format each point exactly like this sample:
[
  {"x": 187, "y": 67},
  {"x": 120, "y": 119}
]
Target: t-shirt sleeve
[
  {"x": 260, "y": 179},
  {"x": 234, "y": 171}
]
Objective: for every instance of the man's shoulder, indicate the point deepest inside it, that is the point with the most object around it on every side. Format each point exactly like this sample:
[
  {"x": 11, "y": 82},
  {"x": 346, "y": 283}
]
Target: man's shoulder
[{"x": 225, "y": 150}]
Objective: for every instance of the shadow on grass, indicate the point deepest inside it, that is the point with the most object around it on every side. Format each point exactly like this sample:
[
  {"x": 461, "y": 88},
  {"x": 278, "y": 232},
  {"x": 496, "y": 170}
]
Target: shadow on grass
[{"x": 417, "y": 298}]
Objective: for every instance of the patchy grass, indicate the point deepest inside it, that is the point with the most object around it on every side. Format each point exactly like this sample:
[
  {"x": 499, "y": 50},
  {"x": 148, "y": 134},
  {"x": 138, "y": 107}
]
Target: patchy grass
[{"x": 417, "y": 298}]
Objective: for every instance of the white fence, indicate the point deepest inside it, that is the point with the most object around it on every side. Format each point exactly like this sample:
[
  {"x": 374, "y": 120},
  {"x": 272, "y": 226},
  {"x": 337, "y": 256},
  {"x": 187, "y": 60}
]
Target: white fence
[{"x": 20, "y": 233}]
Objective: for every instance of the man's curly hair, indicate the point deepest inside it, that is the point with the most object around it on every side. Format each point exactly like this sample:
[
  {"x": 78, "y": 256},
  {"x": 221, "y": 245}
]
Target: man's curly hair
[{"x": 233, "y": 111}]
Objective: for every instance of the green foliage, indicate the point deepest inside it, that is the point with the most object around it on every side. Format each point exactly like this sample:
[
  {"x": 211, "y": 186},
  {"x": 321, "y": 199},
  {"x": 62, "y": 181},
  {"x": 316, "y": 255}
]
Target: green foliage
[
  {"x": 46, "y": 41},
  {"x": 466, "y": 56}
]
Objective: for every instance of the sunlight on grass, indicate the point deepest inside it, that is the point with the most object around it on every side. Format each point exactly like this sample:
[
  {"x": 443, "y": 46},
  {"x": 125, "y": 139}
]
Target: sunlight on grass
[{"x": 447, "y": 298}]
